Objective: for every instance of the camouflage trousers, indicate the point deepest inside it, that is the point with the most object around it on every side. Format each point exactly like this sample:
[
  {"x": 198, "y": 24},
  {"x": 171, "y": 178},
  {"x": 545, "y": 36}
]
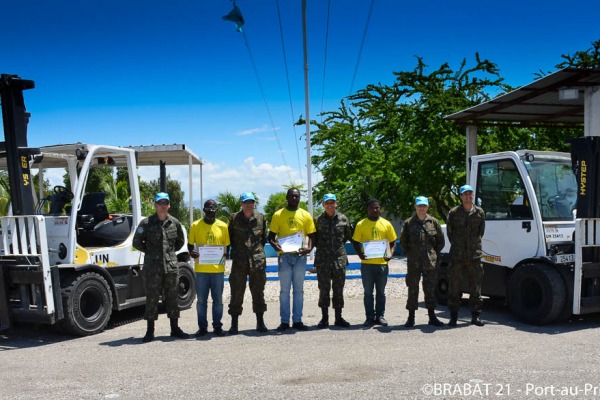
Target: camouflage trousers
[
  {"x": 413, "y": 277},
  {"x": 157, "y": 284},
  {"x": 329, "y": 278},
  {"x": 472, "y": 270},
  {"x": 237, "y": 282}
]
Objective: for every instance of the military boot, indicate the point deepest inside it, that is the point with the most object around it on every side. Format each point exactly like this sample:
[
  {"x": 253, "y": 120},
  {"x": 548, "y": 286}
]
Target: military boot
[
  {"x": 176, "y": 330},
  {"x": 475, "y": 319},
  {"x": 339, "y": 320},
  {"x": 324, "y": 322},
  {"x": 234, "y": 325},
  {"x": 260, "y": 323},
  {"x": 149, "y": 332},
  {"x": 410, "y": 321},
  {"x": 433, "y": 320},
  {"x": 453, "y": 318}
]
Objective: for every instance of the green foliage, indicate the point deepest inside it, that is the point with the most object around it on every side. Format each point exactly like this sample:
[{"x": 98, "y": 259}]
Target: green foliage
[
  {"x": 228, "y": 205},
  {"x": 274, "y": 202},
  {"x": 394, "y": 143},
  {"x": 178, "y": 208},
  {"x": 97, "y": 179},
  {"x": 117, "y": 197},
  {"x": 277, "y": 201},
  {"x": 4, "y": 193},
  {"x": 589, "y": 58}
]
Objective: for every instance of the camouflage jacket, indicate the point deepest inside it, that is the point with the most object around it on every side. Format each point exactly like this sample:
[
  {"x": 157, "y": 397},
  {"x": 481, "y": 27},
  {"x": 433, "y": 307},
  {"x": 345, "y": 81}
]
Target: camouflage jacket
[
  {"x": 465, "y": 230},
  {"x": 248, "y": 238},
  {"x": 159, "y": 240},
  {"x": 422, "y": 240},
  {"x": 332, "y": 233}
]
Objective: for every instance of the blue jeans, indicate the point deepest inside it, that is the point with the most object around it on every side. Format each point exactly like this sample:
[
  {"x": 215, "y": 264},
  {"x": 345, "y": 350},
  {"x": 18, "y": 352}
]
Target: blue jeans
[
  {"x": 292, "y": 268},
  {"x": 374, "y": 276},
  {"x": 213, "y": 283}
]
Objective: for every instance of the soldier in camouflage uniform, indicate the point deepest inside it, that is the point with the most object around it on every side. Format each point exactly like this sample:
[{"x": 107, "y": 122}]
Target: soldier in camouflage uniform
[
  {"x": 421, "y": 239},
  {"x": 465, "y": 228},
  {"x": 333, "y": 231},
  {"x": 248, "y": 235},
  {"x": 159, "y": 236}
]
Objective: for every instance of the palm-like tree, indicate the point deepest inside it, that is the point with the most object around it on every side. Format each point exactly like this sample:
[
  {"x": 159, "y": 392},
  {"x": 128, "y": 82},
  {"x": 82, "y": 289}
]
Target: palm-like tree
[
  {"x": 228, "y": 205},
  {"x": 117, "y": 197},
  {"x": 4, "y": 193}
]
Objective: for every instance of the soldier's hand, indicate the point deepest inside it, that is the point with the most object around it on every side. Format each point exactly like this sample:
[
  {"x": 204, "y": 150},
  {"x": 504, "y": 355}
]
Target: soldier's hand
[
  {"x": 194, "y": 254},
  {"x": 362, "y": 256}
]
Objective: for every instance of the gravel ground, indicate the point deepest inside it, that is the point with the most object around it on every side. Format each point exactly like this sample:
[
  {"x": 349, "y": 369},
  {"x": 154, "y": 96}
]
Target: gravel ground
[{"x": 503, "y": 359}]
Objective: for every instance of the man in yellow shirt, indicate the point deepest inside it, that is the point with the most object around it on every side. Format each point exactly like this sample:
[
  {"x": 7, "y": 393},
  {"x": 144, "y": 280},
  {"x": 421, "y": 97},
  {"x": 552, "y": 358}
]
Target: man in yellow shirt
[
  {"x": 210, "y": 271},
  {"x": 374, "y": 271},
  {"x": 292, "y": 228}
]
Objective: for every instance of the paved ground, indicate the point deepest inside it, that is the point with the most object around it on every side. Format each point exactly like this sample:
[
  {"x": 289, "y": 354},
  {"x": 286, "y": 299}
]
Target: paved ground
[{"x": 503, "y": 359}]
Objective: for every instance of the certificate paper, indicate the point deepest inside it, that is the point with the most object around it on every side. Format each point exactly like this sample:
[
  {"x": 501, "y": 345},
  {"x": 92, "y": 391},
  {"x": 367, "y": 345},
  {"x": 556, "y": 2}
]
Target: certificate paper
[
  {"x": 376, "y": 248},
  {"x": 291, "y": 243},
  {"x": 211, "y": 255}
]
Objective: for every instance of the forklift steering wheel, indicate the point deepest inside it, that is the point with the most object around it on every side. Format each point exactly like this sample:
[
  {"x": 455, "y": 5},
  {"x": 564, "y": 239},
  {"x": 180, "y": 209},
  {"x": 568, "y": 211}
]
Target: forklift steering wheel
[{"x": 61, "y": 189}]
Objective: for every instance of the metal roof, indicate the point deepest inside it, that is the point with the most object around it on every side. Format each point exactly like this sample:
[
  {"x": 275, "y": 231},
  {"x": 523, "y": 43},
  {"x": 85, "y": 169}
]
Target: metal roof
[
  {"x": 535, "y": 104},
  {"x": 171, "y": 154}
]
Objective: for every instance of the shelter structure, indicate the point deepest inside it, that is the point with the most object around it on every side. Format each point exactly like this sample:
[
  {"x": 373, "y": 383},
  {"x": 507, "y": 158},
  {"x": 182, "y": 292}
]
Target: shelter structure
[{"x": 567, "y": 98}]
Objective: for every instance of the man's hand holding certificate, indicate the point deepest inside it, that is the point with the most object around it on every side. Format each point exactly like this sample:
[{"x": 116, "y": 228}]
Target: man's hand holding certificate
[
  {"x": 376, "y": 249},
  {"x": 292, "y": 243},
  {"x": 211, "y": 255}
]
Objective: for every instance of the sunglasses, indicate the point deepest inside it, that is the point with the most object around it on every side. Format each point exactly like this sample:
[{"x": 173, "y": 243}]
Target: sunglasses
[
  {"x": 248, "y": 202},
  {"x": 162, "y": 202}
]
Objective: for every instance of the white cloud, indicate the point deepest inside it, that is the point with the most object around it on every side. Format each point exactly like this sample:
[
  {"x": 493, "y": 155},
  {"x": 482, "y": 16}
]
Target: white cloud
[
  {"x": 264, "y": 179},
  {"x": 264, "y": 128}
]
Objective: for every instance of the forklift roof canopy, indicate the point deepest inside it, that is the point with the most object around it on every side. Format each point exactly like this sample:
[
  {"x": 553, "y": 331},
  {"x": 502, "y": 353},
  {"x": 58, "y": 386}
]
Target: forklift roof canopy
[{"x": 536, "y": 104}]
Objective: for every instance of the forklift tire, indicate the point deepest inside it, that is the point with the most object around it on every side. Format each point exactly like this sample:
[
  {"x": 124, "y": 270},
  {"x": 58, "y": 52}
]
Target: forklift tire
[
  {"x": 186, "y": 287},
  {"x": 441, "y": 286},
  {"x": 537, "y": 294},
  {"x": 87, "y": 303}
]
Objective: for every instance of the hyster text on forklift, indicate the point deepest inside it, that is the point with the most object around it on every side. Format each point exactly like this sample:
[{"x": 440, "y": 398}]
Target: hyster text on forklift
[
  {"x": 542, "y": 237},
  {"x": 67, "y": 258}
]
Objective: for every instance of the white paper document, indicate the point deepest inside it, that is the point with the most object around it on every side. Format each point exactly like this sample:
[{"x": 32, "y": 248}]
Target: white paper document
[
  {"x": 211, "y": 255},
  {"x": 376, "y": 248},
  {"x": 291, "y": 243}
]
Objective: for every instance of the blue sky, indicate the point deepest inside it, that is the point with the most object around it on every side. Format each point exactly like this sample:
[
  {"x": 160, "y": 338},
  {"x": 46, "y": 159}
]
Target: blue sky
[{"x": 133, "y": 72}]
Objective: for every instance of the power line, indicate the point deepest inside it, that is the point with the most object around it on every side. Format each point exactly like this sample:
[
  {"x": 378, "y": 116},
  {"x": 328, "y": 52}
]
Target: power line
[
  {"x": 362, "y": 43},
  {"x": 287, "y": 76},
  {"x": 264, "y": 97}
]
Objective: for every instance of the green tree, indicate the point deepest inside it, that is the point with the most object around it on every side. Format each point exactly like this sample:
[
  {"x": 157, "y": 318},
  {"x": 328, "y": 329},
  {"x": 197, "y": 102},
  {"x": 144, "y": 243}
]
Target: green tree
[
  {"x": 393, "y": 142},
  {"x": 178, "y": 208},
  {"x": 4, "y": 193},
  {"x": 117, "y": 197},
  {"x": 96, "y": 180},
  {"x": 589, "y": 58},
  {"x": 228, "y": 205},
  {"x": 277, "y": 201}
]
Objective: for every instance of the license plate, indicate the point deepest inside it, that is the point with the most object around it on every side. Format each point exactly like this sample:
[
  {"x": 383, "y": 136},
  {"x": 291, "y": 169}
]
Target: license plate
[{"x": 564, "y": 258}]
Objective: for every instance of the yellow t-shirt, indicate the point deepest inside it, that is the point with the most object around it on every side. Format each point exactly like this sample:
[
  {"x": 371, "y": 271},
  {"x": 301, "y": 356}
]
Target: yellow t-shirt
[
  {"x": 216, "y": 234},
  {"x": 286, "y": 222},
  {"x": 374, "y": 230}
]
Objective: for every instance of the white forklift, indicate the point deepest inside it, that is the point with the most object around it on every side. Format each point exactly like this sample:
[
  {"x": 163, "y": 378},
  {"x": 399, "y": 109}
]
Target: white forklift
[
  {"x": 542, "y": 238},
  {"x": 67, "y": 258}
]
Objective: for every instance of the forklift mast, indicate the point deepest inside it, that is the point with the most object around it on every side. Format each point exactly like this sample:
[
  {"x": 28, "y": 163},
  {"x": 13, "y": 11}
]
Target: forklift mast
[{"x": 14, "y": 147}]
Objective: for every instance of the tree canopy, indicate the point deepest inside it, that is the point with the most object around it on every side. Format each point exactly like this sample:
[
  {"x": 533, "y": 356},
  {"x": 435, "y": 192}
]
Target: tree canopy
[{"x": 392, "y": 142}]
